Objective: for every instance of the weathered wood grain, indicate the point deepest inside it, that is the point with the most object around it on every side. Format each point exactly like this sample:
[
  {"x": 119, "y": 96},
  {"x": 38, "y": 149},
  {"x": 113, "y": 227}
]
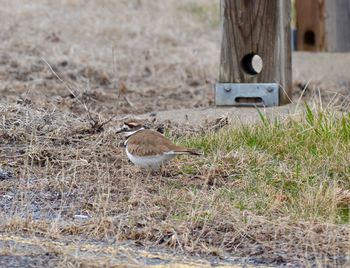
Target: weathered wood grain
[
  {"x": 259, "y": 27},
  {"x": 337, "y": 25},
  {"x": 310, "y": 25},
  {"x": 327, "y": 20}
]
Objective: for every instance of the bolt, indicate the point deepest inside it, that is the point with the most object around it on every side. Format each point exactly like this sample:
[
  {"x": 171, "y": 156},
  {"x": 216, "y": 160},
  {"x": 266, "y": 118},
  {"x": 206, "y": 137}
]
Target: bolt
[
  {"x": 227, "y": 89},
  {"x": 269, "y": 89}
]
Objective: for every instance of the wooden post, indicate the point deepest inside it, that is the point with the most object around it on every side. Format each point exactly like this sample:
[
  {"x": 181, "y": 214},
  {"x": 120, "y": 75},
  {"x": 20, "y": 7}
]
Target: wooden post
[
  {"x": 323, "y": 25},
  {"x": 257, "y": 29}
]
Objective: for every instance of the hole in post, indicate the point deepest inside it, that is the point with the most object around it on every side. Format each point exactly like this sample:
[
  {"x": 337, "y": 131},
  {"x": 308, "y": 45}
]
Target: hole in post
[
  {"x": 243, "y": 100},
  {"x": 309, "y": 38},
  {"x": 252, "y": 64}
]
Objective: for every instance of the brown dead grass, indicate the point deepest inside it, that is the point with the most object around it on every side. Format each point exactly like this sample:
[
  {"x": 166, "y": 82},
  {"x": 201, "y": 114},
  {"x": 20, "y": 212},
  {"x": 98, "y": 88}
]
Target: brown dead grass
[
  {"x": 61, "y": 170},
  {"x": 158, "y": 50}
]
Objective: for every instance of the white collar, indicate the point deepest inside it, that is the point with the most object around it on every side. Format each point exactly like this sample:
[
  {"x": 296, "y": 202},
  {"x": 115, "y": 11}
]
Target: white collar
[{"x": 128, "y": 134}]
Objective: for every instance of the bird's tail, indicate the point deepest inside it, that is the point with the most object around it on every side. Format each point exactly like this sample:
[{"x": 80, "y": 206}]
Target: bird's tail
[{"x": 188, "y": 151}]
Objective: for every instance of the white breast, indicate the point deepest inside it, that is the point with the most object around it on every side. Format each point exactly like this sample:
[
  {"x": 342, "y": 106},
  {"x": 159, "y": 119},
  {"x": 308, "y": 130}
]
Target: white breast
[{"x": 150, "y": 162}]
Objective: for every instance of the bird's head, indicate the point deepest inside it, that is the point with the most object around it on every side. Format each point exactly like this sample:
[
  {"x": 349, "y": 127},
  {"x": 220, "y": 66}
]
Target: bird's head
[{"x": 130, "y": 127}]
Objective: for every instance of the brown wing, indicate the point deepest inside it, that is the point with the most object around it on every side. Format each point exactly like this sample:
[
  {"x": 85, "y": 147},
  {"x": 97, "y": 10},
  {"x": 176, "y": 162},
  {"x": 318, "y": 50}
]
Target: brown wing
[{"x": 148, "y": 142}]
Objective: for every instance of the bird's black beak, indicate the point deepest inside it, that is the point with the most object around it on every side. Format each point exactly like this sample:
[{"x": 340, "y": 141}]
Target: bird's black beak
[{"x": 121, "y": 130}]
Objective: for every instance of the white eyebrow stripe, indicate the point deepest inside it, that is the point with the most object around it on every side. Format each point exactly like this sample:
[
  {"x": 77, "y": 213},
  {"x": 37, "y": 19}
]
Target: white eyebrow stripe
[{"x": 130, "y": 133}]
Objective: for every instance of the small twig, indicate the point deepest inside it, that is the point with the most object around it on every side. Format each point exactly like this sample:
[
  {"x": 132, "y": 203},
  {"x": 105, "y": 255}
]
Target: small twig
[
  {"x": 71, "y": 91},
  {"x": 95, "y": 124},
  {"x": 60, "y": 79},
  {"x": 108, "y": 120},
  {"x": 129, "y": 102}
]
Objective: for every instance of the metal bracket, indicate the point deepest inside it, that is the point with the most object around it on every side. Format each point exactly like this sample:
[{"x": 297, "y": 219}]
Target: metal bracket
[{"x": 258, "y": 94}]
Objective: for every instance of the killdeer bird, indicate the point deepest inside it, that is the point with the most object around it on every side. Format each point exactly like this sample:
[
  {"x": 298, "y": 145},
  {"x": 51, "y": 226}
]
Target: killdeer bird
[{"x": 147, "y": 148}]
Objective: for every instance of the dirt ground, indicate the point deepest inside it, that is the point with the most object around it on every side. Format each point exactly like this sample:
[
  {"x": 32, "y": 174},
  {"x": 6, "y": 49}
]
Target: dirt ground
[
  {"x": 85, "y": 65},
  {"x": 166, "y": 58},
  {"x": 159, "y": 56}
]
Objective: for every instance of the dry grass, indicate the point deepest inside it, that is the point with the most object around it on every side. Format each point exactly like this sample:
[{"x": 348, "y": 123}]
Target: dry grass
[
  {"x": 156, "y": 49},
  {"x": 275, "y": 193}
]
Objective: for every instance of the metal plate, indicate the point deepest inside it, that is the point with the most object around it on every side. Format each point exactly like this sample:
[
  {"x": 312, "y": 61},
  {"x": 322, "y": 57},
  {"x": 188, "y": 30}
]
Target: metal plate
[{"x": 259, "y": 94}]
